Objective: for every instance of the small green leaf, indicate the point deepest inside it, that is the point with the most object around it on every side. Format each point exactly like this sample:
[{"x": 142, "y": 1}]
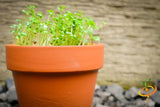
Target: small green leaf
[
  {"x": 58, "y": 8},
  {"x": 17, "y": 37},
  {"x": 34, "y": 31},
  {"x": 45, "y": 26},
  {"x": 45, "y": 32},
  {"x": 18, "y": 20},
  {"x": 63, "y": 7},
  {"x": 96, "y": 38},
  {"x": 40, "y": 14},
  {"x": 50, "y": 12},
  {"x": 11, "y": 27},
  {"x": 24, "y": 11},
  {"x": 142, "y": 83},
  {"x": 12, "y": 31},
  {"x": 149, "y": 79},
  {"x": 77, "y": 14},
  {"x": 96, "y": 27},
  {"x": 24, "y": 34},
  {"x": 103, "y": 22},
  {"x": 32, "y": 7}
]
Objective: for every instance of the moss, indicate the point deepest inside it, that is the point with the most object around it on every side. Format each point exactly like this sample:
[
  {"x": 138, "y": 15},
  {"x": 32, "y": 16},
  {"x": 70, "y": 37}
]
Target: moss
[{"x": 2, "y": 83}]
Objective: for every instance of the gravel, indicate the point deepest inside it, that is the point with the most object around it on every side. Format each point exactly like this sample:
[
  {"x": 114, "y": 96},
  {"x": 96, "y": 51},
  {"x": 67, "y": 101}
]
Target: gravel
[
  {"x": 9, "y": 83},
  {"x": 131, "y": 93},
  {"x": 105, "y": 96},
  {"x": 1, "y": 88},
  {"x": 12, "y": 95},
  {"x": 3, "y": 97},
  {"x": 4, "y": 105}
]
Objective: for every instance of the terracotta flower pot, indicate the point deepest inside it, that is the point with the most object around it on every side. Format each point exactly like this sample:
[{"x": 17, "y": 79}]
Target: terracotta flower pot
[{"x": 55, "y": 76}]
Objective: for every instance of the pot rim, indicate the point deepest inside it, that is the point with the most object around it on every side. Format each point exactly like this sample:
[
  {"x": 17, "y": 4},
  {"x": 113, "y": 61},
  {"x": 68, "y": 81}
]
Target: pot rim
[
  {"x": 90, "y": 45},
  {"x": 54, "y": 58}
]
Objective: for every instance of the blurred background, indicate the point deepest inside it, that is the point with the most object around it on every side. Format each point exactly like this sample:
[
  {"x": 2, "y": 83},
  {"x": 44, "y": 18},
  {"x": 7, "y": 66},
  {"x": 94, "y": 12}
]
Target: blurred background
[{"x": 131, "y": 35}]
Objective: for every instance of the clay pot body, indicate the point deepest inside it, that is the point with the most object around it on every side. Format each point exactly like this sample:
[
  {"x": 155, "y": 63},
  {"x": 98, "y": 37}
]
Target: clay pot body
[{"x": 55, "y": 76}]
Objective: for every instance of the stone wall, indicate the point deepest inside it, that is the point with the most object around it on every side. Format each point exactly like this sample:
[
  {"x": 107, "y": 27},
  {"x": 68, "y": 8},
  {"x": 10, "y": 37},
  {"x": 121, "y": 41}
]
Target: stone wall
[{"x": 131, "y": 35}]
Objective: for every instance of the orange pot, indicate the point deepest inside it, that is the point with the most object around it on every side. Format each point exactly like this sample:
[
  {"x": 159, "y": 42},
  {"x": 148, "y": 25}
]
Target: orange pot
[{"x": 55, "y": 76}]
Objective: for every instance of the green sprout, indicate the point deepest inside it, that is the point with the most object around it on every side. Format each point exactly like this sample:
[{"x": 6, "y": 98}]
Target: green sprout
[
  {"x": 145, "y": 83},
  {"x": 65, "y": 28}
]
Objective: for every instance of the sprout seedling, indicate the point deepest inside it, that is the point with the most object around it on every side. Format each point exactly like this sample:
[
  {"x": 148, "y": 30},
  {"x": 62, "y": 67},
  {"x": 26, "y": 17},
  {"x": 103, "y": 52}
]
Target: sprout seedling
[
  {"x": 65, "y": 28},
  {"x": 145, "y": 84}
]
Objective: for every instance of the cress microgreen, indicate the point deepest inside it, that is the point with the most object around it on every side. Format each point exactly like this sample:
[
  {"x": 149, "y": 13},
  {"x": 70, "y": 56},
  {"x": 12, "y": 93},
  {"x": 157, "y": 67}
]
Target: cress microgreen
[{"x": 65, "y": 28}]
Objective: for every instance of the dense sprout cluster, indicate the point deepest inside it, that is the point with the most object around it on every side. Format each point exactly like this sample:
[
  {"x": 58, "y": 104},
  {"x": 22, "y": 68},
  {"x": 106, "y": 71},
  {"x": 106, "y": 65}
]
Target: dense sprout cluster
[{"x": 65, "y": 28}]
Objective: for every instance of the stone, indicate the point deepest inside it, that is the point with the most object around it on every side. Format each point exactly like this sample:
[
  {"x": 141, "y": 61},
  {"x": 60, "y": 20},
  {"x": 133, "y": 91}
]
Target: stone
[
  {"x": 129, "y": 106},
  {"x": 12, "y": 95},
  {"x": 96, "y": 100},
  {"x": 103, "y": 87},
  {"x": 100, "y": 105},
  {"x": 105, "y": 95},
  {"x": 156, "y": 97},
  {"x": 100, "y": 93},
  {"x": 111, "y": 99},
  {"x": 117, "y": 91},
  {"x": 3, "y": 97},
  {"x": 9, "y": 83},
  {"x": 113, "y": 104},
  {"x": 131, "y": 93},
  {"x": 143, "y": 103},
  {"x": 106, "y": 104},
  {"x": 150, "y": 103},
  {"x": 4, "y": 105},
  {"x": 97, "y": 87},
  {"x": 120, "y": 104},
  {"x": 140, "y": 103}
]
